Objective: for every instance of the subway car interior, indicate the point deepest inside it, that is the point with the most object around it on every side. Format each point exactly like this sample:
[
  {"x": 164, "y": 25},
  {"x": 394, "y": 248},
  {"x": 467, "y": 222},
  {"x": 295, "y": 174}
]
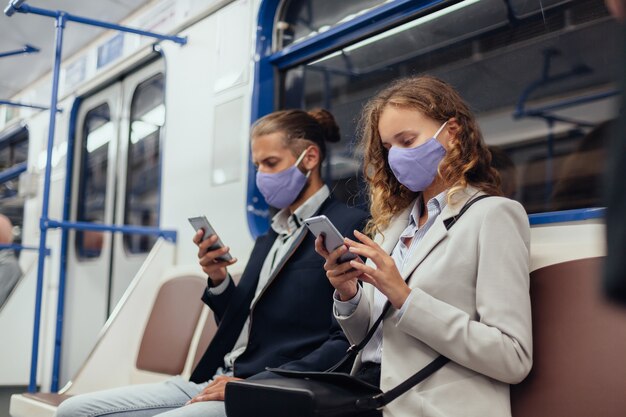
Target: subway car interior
[{"x": 121, "y": 119}]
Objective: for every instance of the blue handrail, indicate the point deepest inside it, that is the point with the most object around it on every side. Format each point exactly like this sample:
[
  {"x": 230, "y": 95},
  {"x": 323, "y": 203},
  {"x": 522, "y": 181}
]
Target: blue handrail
[
  {"x": 27, "y": 105},
  {"x": 567, "y": 216},
  {"x": 61, "y": 18},
  {"x": 20, "y": 7},
  {"x": 13, "y": 172},
  {"x": 563, "y": 104},
  {"x": 27, "y": 49},
  {"x": 17, "y": 247},
  {"x": 130, "y": 229}
]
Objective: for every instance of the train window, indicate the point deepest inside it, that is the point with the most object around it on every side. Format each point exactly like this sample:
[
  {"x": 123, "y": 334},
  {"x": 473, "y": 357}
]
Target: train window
[
  {"x": 13, "y": 152},
  {"x": 143, "y": 181},
  {"x": 303, "y": 19},
  {"x": 98, "y": 131},
  {"x": 535, "y": 77}
]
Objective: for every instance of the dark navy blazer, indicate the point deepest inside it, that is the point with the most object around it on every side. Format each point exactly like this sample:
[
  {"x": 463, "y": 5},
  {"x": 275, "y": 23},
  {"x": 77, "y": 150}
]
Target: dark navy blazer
[{"x": 292, "y": 324}]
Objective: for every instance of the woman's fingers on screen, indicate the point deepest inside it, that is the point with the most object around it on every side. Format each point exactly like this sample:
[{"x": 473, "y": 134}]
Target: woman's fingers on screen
[
  {"x": 364, "y": 238},
  {"x": 363, "y": 268},
  {"x": 365, "y": 251}
]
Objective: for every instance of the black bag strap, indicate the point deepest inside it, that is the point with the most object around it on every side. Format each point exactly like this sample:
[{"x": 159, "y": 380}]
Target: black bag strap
[
  {"x": 385, "y": 398},
  {"x": 450, "y": 222},
  {"x": 355, "y": 349}
]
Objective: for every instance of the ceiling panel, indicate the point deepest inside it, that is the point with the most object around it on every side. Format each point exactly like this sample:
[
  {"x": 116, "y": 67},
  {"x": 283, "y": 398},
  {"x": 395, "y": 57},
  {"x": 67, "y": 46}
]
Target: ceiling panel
[{"x": 17, "y": 72}]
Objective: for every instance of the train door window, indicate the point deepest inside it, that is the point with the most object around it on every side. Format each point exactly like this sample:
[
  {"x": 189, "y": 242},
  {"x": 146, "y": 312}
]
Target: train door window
[
  {"x": 535, "y": 77},
  {"x": 147, "y": 117},
  {"x": 98, "y": 132},
  {"x": 13, "y": 153}
]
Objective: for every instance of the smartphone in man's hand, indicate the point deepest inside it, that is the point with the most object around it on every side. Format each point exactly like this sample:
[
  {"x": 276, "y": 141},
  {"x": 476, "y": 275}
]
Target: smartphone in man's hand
[{"x": 201, "y": 223}]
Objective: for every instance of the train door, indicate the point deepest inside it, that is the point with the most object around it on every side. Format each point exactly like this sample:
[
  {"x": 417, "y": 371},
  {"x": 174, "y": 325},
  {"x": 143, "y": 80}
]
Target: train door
[
  {"x": 89, "y": 252},
  {"x": 116, "y": 181},
  {"x": 138, "y": 172}
]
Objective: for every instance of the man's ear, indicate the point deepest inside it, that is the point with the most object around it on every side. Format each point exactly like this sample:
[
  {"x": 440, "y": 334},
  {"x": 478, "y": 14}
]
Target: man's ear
[{"x": 312, "y": 158}]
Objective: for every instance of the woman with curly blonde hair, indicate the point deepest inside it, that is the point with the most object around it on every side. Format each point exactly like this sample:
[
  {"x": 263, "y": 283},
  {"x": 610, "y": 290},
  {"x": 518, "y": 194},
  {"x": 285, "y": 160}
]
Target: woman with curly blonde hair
[{"x": 461, "y": 291}]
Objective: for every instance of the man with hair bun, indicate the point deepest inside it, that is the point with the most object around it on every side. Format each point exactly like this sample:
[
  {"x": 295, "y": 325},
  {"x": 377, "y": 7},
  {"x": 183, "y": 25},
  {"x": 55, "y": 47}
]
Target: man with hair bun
[
  {"x": 284, "y": 285},
  {"x": 10, "y": 271}
]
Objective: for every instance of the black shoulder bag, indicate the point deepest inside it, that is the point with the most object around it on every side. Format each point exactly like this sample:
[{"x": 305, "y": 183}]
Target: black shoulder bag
[{"x": 324, "y": 394}]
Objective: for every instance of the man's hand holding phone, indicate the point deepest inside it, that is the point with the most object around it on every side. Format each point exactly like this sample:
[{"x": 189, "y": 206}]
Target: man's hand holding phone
[{"x": 213, "y": 256}]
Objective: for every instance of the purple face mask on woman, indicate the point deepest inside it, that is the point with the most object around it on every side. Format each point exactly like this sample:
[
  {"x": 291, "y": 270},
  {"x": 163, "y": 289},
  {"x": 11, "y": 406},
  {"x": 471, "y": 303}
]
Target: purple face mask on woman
[
  {"x": 280, "y": 189},
  {"x": 415, "y": 168}
]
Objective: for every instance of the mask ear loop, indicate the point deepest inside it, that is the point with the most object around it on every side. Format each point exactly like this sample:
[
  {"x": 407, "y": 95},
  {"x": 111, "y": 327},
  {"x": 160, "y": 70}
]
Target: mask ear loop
[
  {"x": 300, "y": 158},
  {"x": 440, "y": 129}
]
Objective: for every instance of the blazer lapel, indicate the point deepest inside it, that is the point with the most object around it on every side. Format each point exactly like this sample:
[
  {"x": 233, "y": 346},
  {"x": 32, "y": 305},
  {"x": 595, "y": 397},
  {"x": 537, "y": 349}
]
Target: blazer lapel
[
  {"x": 247, "y": 286},
  {"x": 296, "y": 243},
  {"x": 437, "y": 231},
  {"x": 435, "y": 234},
  {"x": 388, "y": 239}
]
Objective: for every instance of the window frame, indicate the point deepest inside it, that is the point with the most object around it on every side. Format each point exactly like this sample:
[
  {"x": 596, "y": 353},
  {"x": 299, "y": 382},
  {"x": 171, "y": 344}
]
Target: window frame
[
  {"x": 79, "y": 248},
  {"x": 126, "y": 239},
  {"x": 267, "y": 68}
]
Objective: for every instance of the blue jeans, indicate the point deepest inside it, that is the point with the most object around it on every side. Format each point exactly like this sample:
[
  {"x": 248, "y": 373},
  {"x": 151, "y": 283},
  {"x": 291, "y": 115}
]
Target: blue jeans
[{"x": 163, "y": 399}]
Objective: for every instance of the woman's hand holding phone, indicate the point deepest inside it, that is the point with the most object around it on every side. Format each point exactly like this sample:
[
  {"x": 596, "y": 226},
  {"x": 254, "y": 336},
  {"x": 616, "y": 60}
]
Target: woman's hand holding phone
[
  {"x": 214, "y": 268},
  {"x": 342, "y": 276},
  {"x": 384, "y": 275}
]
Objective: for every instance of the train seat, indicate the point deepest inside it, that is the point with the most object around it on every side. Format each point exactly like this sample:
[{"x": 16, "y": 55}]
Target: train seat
[
  {"x": 579, "y": 343},
  {"x": 142, "y": 342}
]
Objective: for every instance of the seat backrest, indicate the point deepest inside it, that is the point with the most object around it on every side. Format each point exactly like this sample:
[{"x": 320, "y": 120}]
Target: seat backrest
[
  {"x": 209, "y": 330},
  {"x": 173, "y": 320},
  {"x": 579, "y": 344}
]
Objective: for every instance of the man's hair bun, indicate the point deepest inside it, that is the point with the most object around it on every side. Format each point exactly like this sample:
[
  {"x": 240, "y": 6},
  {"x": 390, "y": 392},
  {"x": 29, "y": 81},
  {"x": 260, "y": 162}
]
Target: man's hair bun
[{"x": 328, "y": 123}]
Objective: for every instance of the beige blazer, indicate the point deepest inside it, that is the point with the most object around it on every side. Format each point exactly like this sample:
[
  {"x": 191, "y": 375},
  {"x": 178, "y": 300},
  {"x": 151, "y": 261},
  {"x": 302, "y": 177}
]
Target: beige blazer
[{"x": 469, "y": 301}]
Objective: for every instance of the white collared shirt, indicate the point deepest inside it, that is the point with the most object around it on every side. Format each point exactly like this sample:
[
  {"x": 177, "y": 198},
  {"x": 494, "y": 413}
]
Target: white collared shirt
[
  {"x": 372, "y": 352},
  {"x": 287, "y": 226}
]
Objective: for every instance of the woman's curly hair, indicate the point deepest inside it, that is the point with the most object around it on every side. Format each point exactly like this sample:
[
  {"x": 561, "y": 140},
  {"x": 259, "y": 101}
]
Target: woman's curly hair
[{"x": 467, "y": 162}]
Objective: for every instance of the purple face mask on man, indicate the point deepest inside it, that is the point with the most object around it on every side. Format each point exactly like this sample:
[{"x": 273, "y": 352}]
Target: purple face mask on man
[
  {"x": 415, "y": 168},
  {"x": 281, "y": 189}
]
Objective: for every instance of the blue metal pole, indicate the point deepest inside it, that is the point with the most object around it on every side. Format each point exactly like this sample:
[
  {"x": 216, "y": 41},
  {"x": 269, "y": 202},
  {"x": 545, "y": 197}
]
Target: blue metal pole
[
  {"x": 576, "y": 101},
  {"x": 43, "y": 222},
  {"x": 21, "y": 247},
  {"x": 67, "y": 199},
  {"x": 13, "y": 172},
  {"x": 30, "y": 106},
  {"x": 27, "y": 49},
  {"x": 138, "y": 230},
  {"x": 25, "y": 8}
]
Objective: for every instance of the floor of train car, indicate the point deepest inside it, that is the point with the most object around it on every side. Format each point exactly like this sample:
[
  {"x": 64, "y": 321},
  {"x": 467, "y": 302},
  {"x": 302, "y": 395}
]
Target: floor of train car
[{"x": 5, "y": 397}]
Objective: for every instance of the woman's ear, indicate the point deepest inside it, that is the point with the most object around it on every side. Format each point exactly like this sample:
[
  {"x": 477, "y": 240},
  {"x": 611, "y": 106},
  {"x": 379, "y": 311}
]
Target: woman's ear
[
  {"x": 451, "y": 131},
  {"x": 312, "y": 158}
]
